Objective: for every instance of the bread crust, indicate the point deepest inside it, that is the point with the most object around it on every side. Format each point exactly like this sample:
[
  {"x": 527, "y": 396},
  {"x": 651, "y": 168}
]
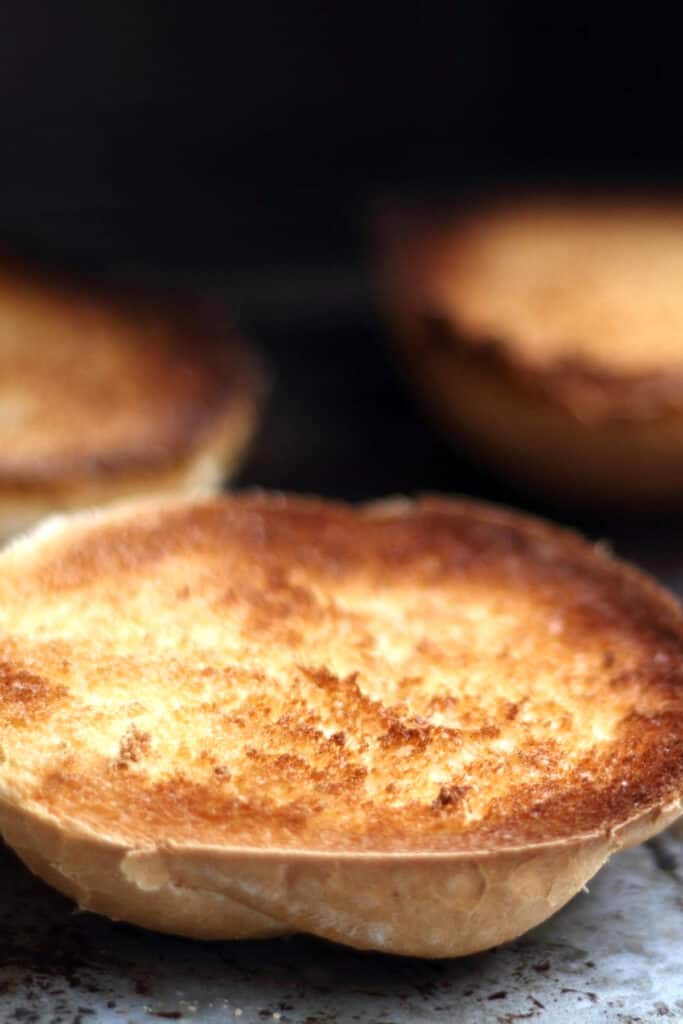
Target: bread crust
[
  {"x": 412, "y": 875},
  {"x": 106, "y": 396},
  {"x": 571, "y": 417},
  {"x": 427, "y": 905}
]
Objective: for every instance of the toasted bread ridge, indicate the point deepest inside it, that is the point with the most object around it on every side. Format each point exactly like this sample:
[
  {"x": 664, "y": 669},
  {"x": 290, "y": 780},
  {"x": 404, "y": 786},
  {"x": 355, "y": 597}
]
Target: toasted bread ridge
[{"x": 268, "y": 697}]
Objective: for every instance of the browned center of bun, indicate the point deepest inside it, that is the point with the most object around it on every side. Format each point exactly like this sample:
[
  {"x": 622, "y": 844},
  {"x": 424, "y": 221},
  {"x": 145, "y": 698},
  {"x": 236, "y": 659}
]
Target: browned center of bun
[{"x": 261, "y": 671}]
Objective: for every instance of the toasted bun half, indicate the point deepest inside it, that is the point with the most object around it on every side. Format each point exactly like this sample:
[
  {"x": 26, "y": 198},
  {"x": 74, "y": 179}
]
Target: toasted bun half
[
  {"x": 417, "y": 727},
  {"x": 548, "y": 333},
  {"x": 101, "y": 399}
]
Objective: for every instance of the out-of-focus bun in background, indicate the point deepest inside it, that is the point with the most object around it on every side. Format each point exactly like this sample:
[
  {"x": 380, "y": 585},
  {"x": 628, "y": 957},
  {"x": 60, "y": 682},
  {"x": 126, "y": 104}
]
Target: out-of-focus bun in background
[
  {"x": 104, "y": 398},
  {"x": 547, "y": 332}
]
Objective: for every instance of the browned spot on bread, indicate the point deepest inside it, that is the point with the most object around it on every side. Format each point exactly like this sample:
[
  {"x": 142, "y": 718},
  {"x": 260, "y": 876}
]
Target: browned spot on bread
[
  {"x": 400, "y": 732},
  {"x": 553, "y": 708},
  {"x": 450, "y": 796},
  {"x": 133, "y": 747},
  {"x": 25, "y": 696}
]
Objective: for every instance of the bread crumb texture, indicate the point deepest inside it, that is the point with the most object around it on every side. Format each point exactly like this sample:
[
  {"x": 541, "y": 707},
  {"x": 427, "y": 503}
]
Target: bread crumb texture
[{"x": 260, "y": 671}]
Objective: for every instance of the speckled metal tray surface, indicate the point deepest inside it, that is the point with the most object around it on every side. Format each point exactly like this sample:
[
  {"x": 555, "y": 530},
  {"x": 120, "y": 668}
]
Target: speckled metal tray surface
[{"x": 615, "y": 953}]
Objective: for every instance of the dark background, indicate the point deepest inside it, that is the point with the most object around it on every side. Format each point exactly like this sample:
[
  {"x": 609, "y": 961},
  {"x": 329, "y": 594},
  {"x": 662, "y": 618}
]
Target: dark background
[
  {"x": 246, "y": 137},
  {"x": 239, "y": 147}
]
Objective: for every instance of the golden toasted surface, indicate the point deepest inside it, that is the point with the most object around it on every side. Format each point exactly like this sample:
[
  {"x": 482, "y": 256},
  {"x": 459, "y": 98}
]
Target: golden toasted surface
[
  {"x": 90, "y": 388},
  {"x": 588, "y": 281},
  {"x": 261, "y": 671}
]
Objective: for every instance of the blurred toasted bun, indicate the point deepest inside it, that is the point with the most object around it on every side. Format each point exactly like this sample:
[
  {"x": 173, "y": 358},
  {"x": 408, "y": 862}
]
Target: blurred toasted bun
[
  {"x": 548, "y": 333},
  {"x": 102, "y": 399}
]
